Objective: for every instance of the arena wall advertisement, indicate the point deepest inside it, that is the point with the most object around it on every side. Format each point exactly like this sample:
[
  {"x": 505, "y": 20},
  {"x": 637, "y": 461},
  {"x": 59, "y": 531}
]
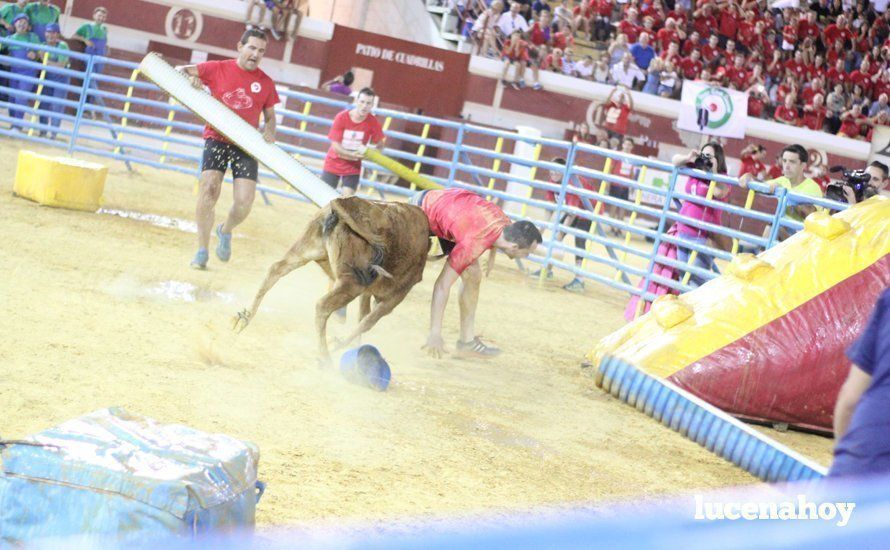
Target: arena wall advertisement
[{"x": 409, "y": 74}]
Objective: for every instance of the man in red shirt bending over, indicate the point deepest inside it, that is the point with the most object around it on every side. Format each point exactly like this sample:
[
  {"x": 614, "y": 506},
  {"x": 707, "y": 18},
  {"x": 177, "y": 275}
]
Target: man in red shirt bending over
[
  {"x": 248, "y": 91},
  {"x": 350, "y": 133},
  {"x": 467, "y": 225}
]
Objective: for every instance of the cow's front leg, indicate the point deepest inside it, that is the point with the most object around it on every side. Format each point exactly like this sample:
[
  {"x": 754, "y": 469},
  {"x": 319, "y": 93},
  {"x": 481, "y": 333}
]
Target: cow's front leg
[{"x": 344, "y": 290}]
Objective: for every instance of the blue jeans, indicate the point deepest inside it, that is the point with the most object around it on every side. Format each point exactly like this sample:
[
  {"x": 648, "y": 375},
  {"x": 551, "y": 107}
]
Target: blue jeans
[
  {"x": 703, "y": 261},
  {"x": 19, "y": 95},
  {"x": 50, "y": 89}
]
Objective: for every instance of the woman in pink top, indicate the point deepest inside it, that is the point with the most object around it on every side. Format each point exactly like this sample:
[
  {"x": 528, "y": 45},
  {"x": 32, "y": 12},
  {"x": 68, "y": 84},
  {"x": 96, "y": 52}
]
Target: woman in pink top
[{"x": 694, "y": 186}]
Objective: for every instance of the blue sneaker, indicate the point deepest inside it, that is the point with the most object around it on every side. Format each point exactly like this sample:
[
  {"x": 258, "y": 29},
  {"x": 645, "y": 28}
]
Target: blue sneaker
[
  {"x": 200, "y": 259},
  {"x": 224, "y": 248},
  {"x": 576, "y": 285},
  {"x": 548, "y": 275}
]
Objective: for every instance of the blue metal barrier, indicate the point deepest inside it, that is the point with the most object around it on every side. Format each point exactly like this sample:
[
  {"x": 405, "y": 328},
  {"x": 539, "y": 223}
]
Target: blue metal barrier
[{"x": 168, "y": 137}]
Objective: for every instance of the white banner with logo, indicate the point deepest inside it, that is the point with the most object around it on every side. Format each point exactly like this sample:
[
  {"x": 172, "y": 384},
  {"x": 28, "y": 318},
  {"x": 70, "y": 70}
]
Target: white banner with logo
[{"x": 712, "y": 110}]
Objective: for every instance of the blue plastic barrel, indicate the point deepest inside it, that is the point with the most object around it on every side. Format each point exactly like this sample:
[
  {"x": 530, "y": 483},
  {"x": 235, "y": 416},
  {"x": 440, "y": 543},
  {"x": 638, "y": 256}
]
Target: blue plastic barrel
[{"x": 366, "y": 367}]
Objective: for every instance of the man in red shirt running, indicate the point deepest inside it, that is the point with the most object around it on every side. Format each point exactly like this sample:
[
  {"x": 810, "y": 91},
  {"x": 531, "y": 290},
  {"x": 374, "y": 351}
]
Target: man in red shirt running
[
  {"x": 352, "y": 130},
  {"x": 467, "y": 225},
  {"x": 249, "y": 92}
]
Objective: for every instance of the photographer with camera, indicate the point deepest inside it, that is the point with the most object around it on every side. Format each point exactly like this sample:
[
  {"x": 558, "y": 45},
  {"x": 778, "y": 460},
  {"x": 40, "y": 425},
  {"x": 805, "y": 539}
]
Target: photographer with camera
[
  {"x": 794, "y": 160},
  {"x": 858, "y": 185},
  {"x": 710, "y": 159}
]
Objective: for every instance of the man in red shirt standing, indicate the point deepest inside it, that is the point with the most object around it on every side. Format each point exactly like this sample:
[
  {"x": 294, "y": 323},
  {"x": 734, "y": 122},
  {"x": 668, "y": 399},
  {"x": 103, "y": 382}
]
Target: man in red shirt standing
[
  {"x": 467, "y": 225},
  {"x": 249, "y": 92},
  {"x": 350, "y": 133}
]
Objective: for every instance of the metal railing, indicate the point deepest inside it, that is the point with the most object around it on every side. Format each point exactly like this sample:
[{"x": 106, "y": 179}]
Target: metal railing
[{"x": 117, "y": 115}]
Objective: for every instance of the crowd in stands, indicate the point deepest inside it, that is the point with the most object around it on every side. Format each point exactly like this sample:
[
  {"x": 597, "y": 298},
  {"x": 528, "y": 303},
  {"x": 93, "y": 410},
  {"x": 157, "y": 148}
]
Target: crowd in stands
[
  {"x": 285, "y": 16},
  {"x": 822, "y": 66}
]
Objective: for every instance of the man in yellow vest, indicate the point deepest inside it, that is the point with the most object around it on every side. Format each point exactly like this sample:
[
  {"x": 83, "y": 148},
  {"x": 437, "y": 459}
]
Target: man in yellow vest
[{"x": 794, "y": 164}]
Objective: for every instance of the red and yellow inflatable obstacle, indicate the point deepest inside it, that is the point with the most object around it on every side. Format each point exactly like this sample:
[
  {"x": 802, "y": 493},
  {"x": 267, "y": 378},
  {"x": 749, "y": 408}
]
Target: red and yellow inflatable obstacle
[{"x": 766, "y": 340}]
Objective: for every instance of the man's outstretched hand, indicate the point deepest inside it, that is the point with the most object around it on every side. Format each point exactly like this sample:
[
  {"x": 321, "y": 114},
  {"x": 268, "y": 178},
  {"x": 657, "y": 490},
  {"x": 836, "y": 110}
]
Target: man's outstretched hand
[{"x": 435, "y": 346}]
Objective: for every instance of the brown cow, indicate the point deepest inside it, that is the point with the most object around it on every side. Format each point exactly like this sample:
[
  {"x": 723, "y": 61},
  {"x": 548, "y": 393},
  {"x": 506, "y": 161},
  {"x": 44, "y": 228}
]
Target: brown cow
[{"x": 367, "y": 248}]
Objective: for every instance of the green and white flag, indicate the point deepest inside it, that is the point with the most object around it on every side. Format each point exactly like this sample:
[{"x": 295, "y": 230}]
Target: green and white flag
[{"x": 713, "y": 110}]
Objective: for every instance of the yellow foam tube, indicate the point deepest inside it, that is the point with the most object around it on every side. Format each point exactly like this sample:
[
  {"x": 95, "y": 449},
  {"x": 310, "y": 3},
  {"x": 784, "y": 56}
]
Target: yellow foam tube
[
  {"x": 399, "y": 169},
  {"x": 60, "y": 181},
  {"x": 755, "y": 291}
]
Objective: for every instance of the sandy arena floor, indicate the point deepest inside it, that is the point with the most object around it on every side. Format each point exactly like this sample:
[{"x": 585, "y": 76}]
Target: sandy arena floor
[{"x": 103, "y": 310}]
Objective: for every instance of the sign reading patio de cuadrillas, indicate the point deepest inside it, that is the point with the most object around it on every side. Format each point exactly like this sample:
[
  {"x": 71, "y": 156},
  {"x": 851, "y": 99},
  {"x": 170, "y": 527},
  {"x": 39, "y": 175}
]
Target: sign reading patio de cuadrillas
[
  {"x": 405, "y": 73},
  {"x": 387, "y": 54}
]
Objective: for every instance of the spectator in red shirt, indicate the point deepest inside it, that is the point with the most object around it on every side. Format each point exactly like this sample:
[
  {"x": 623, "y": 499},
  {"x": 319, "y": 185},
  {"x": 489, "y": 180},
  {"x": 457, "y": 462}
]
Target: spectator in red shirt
[
  {"x": 752, "y": 161},
  {"x": 602, "y": 25},
  {"x": 630, "y": 27},
  {"x": 703, "y": 20},
  {"x": 711, "y": 50},
  {"x": 737, "y": 75},
  {"x": 583, "y": 16},
  {"x": 808, "y": 94},
  {"x": 757, "y": 100},
  {"x": 249, "y": 92},
  {"x": 790, "y": 35},
  {"x": 808, "y": 27},
  {"x": 817, "y": 68},
  {"x": 467, "y": 225},
  {"x": 691, "y": 66},
  {"x": 862, "y": 76},
  {"x": 541, "y": 32},
  {"x": 691, "y": 43},
  {"x": 837, "y": 31},
  {"x": 852, "y": 123},
  {"x": 836, "y": 53},
  {"x": 669, "y": 34},
  {"x": 814, "y": 115},
  {"x": 837, "y": 75},
  {"x": 748, "y": 36},
  {"x": 352, "y": 131},
  {"x": 796, "y": 66},
  {"x": 729, "y": 53},
  {"x": 787, "y": 112},
  {"x": 516, "y": 53},
  {"x": 563, "y": 40},
  {"x": 618, "y": 107},
  {"x": 728, "y": 23},
  {"x": 671, "y": 53},
  {"x": 786, "y": 88}
]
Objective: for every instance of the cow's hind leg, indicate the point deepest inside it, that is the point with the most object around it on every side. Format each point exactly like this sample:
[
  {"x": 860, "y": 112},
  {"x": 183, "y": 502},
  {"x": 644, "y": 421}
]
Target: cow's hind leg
[
  {"x": 303, "y": 252},
  {"x": 381, "y": 308},
  {"x": 345, "y": 290}
]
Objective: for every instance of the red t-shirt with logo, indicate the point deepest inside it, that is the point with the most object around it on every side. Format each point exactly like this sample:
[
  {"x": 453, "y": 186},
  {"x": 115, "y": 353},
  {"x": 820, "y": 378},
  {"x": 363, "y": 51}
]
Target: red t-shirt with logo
[
  {"x": 247, "y": 93},
  {"x": 616, "y": 117},
  {"x": 351, "y": 135},
  {"x": 466, "y": 219}
]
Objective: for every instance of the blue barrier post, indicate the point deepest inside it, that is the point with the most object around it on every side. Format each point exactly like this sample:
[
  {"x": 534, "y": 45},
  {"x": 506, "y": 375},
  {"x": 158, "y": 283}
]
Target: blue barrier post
[
  {"x": 455, "y": 154},
  {"x": 781, "y": 206},
  {"x": 88, "y": 73}
]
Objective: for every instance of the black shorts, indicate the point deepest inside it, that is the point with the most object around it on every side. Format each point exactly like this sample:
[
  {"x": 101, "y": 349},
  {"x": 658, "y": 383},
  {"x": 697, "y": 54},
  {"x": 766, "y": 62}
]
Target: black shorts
[
  {"x": 333, "y": 180},
  {"x": 219, "y": 155}
]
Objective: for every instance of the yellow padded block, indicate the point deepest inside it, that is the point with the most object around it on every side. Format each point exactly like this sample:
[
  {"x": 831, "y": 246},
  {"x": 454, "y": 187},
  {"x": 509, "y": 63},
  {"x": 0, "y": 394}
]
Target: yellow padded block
[
  {"x": 826, "y": 226},
  {"x": 60, "y": 181},
  {"x": 670, "y": 311},
  {"x": 748, "y": 267}
]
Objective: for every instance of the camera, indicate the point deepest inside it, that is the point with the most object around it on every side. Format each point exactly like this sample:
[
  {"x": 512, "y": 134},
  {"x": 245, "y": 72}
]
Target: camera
[
  {"x": 857, "y": 180},
  {"x": 703, "y": 162}
]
